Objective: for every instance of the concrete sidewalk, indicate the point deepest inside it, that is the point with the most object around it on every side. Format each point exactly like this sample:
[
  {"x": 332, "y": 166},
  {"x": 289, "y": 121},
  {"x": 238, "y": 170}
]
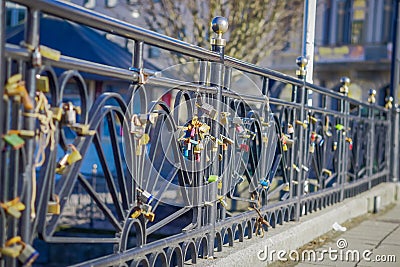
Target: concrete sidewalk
[{"x": 374, "y": 242}]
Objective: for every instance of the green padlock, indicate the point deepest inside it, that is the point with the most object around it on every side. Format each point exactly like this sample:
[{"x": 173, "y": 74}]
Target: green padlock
[
  {"x": 339, "y": 127},
  {"x": 212, "y": 178},
  {"x": 14, "y": 140}
]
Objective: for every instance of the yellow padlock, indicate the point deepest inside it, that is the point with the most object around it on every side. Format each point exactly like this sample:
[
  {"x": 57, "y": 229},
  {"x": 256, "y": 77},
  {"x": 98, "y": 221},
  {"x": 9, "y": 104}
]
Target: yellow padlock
[
  {"x": 284, "y": 147},
  {"x": 42, "y": 83},
  {"x": 74, "y": 156},
  {"x": 13, "y": 251},
  {"x": 219, "y": 186},
  {"x": 53, "y": 207},
  {"x": 50, "y": 53},
  {"x": 82, "y": 129},
  {"x": 224, "y": 118},
  {"x": 138, "y": 150},
  {"x": 286, "y": 187},
  {"x": 144, "y": 140},
  {"x": 136, "y": 213}
]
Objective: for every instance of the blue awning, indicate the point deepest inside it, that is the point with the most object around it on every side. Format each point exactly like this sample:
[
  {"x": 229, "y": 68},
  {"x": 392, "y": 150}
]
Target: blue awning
[{"x": 78, "y": 41}]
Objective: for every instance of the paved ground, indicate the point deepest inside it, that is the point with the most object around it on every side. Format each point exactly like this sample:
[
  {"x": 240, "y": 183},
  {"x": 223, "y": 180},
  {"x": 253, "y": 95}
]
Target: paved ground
[{"x": 375, "y": 236}]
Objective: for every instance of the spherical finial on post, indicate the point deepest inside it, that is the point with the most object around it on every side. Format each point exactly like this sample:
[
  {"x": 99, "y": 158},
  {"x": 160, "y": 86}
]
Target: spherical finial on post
[
  {"x": 345, "y": 81},
  {"x": 371, "y": 97},
  {"x": 219, "y": 25},
  {"x": 302, "y": 63},
  {"x": 389, "y": 102}
]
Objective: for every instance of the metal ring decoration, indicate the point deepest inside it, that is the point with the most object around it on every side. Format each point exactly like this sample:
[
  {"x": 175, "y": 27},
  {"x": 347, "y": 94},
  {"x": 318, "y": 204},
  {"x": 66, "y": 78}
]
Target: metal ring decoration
[
  {"x": 144, "y": 262},
  {"x": 174, "y": 256},
  {"x": 189, "y": 251},
  {"x": 154, "y": 259}
]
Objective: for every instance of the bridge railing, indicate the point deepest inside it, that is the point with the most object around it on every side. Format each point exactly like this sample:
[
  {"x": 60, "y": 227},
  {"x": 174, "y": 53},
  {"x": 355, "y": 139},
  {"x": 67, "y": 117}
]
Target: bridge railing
[{"x": 179, "y": 162}]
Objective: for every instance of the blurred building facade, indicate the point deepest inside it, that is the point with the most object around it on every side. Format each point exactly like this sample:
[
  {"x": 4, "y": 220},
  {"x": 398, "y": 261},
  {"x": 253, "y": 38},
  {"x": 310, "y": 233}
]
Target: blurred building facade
[{"x": 353, "y": 38}]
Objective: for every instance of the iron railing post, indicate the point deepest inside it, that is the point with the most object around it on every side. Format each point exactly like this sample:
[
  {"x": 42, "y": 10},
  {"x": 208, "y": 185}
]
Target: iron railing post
[
  {"x": 3, "y": 182},
  {"x": 343, "y": 151},
  {"x": 219, "y": 26},
  {"x": 394, "y": 89},
  {"x": 301, "y": 74},
  {"x": 371, "y": 143}
]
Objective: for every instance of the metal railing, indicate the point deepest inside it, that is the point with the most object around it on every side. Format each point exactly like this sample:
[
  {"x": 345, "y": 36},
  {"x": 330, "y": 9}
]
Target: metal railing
[{"x": 173, "y": 181}]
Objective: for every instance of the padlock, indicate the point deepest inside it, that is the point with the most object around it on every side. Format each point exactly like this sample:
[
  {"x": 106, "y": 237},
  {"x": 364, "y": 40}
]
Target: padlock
[
  {"x": 214, "y": 147},
  {"x": 290, "y": 129},
  {"x": 239, "y": 129},
  {"x": 305, "y": 168},
  {"x": 14, "y": 141},
  {"x": 265, "y": 138},
  {"x": 25, "y": 133},
  {"x": 313, "y": 136},
  {"x": 144, "y": 139},
  {"x": 350, "y": 141},
  {"x": 320, "y": 141},
  {"x": 226, "y": 140},
  {"x": 82, "y": 129},
  {"x": 304, "y": 124},
  {"x": 69, "y": 113},
  {"x": 286, "y": 187},
  {"x": 212, "y": 178},
  {"x": 136, "y": 213},
  {"x": 74, "y": 156},
  {"x": 57, "y": 113},
  {"x": 224, "y": 118},
  {"x": 207, "y": 109},
  {"x": 144, "y": 196},
  {"x": 297, "y": 169},
  {"x": 146, "y": 211},
  {"x": 28, "y": 255},
  {"x": 196, "y": 149},
  {"x": 16, "y": 87},
  {"x": 13, "y": 207},
  {"x": 327, "y": 172},
  {"x": 289, "y": 142},
  {"x": 12, "y": 252},
  {"x": 284, "y": 147},
  {"x": 219, "y": 185},
  {"x": 42, "y": 83},
  {"x": 185, "y": 153},
  {"x": 223, "y": 202},
  {"x": 53, "y": 207},
  {"x": 220, "y": 157},
  {"x": 224, "y": 147},
  {"x": 200, "y": 146},
  {"x": 148, "y": 118},
  {"x": 339, "y": 127},
  {"x": 50, "y": 53},
  {"x": 264, "y": 183},
  {"x": 244, "y": 147},
  {"x": 204, "y": 128},
  {"x": 311, "y": 148},
  {"x": 312, "y": 119},
  {"x": 334, "y": 146}
]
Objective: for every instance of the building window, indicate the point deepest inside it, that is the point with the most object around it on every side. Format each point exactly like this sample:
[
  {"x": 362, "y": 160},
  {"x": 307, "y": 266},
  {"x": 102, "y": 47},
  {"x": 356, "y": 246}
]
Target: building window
[
  {"x": 358, "y": 21},
  {"x": 387, "y": 25}
]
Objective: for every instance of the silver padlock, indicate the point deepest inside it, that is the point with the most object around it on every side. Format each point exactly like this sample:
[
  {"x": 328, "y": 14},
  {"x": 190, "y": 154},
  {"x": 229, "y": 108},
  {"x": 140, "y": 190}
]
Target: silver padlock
[
  {"x": 145, "y": 197},
  {"x": 28, "y": 255},
  {"x": 136, "y": 125},
  {"x": 69, "y": 114}
]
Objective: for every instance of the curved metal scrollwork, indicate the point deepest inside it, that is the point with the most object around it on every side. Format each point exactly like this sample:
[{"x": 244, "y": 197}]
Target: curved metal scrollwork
[{"x": 182, "y": 164}]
